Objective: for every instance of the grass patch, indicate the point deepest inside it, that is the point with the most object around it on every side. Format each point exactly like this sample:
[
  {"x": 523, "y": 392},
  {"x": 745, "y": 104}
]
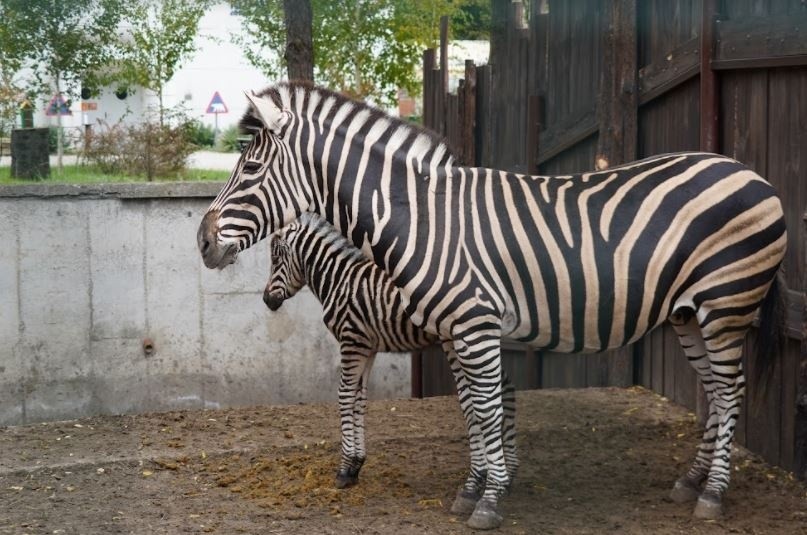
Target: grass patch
[{"x": 86, "y": 174}]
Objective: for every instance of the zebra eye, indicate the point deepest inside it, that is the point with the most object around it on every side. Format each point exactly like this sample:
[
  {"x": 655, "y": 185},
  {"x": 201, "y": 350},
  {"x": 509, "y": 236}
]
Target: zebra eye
[{"x": 251, "y": 167}]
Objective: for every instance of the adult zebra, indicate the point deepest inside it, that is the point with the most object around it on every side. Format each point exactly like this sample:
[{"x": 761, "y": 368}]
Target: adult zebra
[
  {"x": 572, "y": 263},
  {"x": 364, "y": 311}
]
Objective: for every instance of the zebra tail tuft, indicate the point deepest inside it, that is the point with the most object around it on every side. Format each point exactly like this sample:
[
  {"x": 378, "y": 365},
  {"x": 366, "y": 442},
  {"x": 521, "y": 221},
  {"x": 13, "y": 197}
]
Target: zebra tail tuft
[{"x": 771, "y": 337}]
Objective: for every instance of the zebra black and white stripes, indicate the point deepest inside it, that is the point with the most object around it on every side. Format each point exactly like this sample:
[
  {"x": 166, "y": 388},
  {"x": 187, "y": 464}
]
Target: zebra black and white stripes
[
  {"x": 581, "y": 262},
  {"x": 364, "y": 312}
]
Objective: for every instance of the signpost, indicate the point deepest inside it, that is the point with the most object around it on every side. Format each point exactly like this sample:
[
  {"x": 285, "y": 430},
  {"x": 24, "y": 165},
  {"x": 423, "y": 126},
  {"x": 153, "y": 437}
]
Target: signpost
[
  {"x": 216, "y": 107},
  {"x": 57, "y": 107}
]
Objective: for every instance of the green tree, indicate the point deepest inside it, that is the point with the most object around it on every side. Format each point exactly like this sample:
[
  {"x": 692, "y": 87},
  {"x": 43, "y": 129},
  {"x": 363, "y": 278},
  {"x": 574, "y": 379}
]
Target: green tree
[
  {"x": 162, "y": 34},
  {"x": 66, "y": 44},
  {"x": 366, "y": 48},
  {"x": 12, "y": 55}
]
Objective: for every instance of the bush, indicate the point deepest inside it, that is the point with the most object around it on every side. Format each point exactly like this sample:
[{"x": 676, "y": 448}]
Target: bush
[
  {"x": 228, "y": 140},
  {"x": 143, "y": 149},
  {"x": 199, "y": 133}
]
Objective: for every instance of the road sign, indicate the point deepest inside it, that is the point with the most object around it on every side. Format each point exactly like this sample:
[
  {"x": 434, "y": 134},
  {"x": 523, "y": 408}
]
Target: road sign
[
  {"x": 57, "y": 106},
  {"x": 216, "y": 105}
]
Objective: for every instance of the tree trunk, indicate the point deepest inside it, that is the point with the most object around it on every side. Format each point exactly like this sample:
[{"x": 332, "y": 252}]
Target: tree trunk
[{"x": 299, "y": 53}]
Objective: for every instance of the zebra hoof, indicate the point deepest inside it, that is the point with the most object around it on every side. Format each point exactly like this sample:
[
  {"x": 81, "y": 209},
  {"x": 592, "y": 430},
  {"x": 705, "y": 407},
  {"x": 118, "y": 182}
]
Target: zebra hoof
[
  {"x": 345, "y": 479},
  {"x": 709, "y": 507},
  {"x": 485, "y": 515},
  {"x": 684, "y": 491},
  {"x": 465, "y": 502}
]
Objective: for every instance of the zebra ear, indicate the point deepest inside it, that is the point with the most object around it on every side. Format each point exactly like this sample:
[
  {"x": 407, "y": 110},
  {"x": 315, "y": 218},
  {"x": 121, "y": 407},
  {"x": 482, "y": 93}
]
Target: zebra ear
[{"x": 272, "y": 117}]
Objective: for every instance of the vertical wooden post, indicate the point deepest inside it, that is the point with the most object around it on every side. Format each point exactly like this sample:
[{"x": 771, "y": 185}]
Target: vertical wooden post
[
  {"x": 443, "y": 72},
  {"x": 618, "y": 99},
  {"x": 709, "y": 120},
  {"x": 800, "y": 420},
  {"x": 533, "y": 132},
  {"x": 417, "y": 374},
  {"x": 709, "y": 123},
  {"x": 428, "y": 101},
  {"x": 468, "y": 134}
]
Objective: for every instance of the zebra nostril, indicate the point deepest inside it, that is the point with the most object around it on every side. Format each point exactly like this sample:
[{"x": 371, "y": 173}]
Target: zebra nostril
[{"x": 205, "y": 246}]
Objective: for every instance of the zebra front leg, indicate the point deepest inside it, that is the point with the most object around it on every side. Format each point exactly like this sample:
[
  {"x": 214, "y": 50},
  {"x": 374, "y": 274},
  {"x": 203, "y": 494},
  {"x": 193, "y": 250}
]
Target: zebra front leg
[
  {"x": 479, "y": 355},
  {"x": 471, "y": 490},
  {"x": 688, "y": 487},
  {"x": 355, "y": 362}
]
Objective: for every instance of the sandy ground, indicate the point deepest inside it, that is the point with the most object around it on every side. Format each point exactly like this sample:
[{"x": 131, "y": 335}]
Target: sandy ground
[{"x": 592, "y": 461}]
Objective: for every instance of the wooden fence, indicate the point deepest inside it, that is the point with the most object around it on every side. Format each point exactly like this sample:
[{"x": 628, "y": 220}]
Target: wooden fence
[{"x": 583, "y": 84}]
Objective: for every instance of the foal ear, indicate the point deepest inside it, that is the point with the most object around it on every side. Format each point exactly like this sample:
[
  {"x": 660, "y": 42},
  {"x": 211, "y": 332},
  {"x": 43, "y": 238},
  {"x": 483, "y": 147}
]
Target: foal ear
[{"x": 272, "y": 117}]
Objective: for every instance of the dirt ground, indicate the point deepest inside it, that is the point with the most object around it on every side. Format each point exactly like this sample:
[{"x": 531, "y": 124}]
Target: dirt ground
[{"x": 592, "y": 461}]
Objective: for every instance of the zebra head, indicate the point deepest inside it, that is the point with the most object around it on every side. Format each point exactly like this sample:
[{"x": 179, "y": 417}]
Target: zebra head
[
  {"x": 288, "y": 274},
  {"x": 263, "y": 193}
]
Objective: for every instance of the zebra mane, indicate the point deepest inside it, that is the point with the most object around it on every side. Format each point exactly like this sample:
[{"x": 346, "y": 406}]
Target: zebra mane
[
  {"x": 320, "y": 226},
  {"x": 285, "y": 94}
]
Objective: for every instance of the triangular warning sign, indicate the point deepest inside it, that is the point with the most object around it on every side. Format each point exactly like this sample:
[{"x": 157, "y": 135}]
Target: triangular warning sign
[
  {"x": 57, "y": 106},
  {"x": 216, "y": 105}
]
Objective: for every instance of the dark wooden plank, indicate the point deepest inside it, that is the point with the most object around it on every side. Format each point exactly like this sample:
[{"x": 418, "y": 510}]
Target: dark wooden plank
[
  {"x": 799, "y": 463},
  {"x": 563, "y": 370},
  {"x": 709, "y": 104},
  {"x": 744, "y": 118},
  {"x": 760, "y": 62},
  {"x": 642, "y": 351},
  {"x": 618, "y": 97},
  {"x": 752, "y": 38},
  {"x": 686, "y": 379},
  {"x": 417, "y": 374},
  {"x": 468, "y": 114},
  {"x": 763, "y": 413},
  {"x": 428, "y": 97},
  {"x": 597, "y": 369},
  {"x": 657, "y": 356},
  {"x": 787, "y": 160},
  {"x": 437, "y": 377},
  {"x": 620, "y": 367},
  {"x": 669, "y": 343},
  {"x": 533, "y": 132},
  {"x": 790, "y": 358},
  {"x": 680, "y": 65},
  {"x": 564, "y": 135},
  {"x": 483, "y": 135}
]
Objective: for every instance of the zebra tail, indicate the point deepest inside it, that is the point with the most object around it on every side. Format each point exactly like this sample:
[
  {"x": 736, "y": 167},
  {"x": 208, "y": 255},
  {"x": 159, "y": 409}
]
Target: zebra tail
[{"x": 771, "y": 337}]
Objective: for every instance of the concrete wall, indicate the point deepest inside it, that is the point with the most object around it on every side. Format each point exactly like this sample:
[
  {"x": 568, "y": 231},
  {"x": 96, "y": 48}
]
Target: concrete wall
[{"x": 87, "y": 273}]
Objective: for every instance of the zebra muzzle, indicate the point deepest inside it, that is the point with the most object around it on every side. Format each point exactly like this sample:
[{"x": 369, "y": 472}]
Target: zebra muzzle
[{"x": 273, "y": 300}]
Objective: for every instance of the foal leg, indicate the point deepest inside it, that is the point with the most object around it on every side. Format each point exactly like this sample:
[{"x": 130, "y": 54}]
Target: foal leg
[
  {"x": 688, "y": 487},
  {"x": 354, "y": 362}
]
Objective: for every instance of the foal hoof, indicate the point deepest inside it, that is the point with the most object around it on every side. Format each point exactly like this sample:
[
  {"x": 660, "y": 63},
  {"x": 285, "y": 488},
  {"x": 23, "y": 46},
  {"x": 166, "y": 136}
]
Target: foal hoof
[
  {"x": 709, "y": 507},
  {"x": 465, "y": 502},
  {"x": 684, "y": 491},
  {"x": 485, "y": 516},
  {"x": 345, "y": 480}
]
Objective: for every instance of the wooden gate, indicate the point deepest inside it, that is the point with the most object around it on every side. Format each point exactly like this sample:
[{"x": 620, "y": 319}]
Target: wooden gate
[{"x": 582, "y": 83}]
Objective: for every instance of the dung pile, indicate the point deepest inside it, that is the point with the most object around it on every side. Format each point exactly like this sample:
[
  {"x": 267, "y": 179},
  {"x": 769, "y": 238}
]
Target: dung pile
[{"x": 306, "y": 479}]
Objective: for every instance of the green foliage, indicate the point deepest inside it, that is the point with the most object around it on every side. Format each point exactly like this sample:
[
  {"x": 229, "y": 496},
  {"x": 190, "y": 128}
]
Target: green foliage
[
  {"x": 91, "y": 174},
  {"x": 149, "y": 149},
  {"x": 228, "y": 140},
  {"x": 63, "y": 43},
  {"x": 12, "y": 55},
  {"x": 365, "y": 48},
  {"x": 199, "y": 133},
  {"x": 471, "y": 20},
  {"x": 162, "y": 37}
]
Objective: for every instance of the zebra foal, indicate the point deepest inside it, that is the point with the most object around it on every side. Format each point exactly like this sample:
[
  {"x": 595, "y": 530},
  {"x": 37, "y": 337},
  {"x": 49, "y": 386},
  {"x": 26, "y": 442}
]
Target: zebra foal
[
  {"x": 364, "y": 312},
  {"x": 573, "y": 263}
]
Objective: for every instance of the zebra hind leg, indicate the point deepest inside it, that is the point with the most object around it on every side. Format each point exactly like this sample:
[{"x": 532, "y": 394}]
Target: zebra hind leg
[
  {"x": 356, "y": 366},
  {"x": 688, "y": 487},
  {"x": 479, "y": 355},
  {"x": 471, "y": 491},
  {"x": 509, "y": 429}
]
